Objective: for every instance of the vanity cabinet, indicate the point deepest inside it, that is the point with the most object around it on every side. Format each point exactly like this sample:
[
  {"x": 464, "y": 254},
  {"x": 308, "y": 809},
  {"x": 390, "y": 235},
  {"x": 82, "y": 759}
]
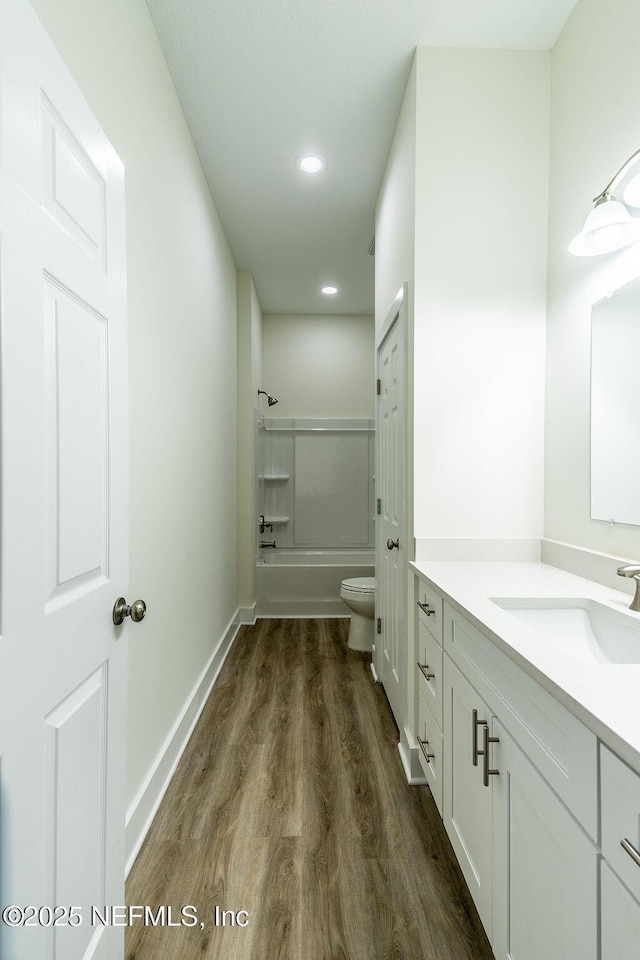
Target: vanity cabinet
[
  {"x": 620, "y": 867},
  {"x": 519, "y": 800},
  {"x": 528, "y": 864}
]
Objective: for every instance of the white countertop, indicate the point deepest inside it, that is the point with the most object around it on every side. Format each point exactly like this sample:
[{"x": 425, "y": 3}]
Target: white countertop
[{"x": 605, "y": 697}]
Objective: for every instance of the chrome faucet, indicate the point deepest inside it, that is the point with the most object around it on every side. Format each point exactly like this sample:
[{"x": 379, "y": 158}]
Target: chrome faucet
[
  {"x": 632, "y": 570},
  {"x": 271, "y": 543}
]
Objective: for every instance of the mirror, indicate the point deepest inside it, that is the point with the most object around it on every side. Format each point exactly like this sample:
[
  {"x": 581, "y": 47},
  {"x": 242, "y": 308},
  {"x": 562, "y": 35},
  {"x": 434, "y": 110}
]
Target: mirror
[{"x": 615, "y": 406}]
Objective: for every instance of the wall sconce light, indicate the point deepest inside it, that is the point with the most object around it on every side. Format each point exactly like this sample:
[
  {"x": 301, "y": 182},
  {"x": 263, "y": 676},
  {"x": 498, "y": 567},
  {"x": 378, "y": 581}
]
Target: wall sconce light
[{"x": 610, "y": 226}]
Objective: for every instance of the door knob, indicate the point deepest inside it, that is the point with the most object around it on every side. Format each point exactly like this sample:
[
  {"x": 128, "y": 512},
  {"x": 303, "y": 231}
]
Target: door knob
[
  {"x": 121, "y": 609},
  {"x": 393, "y": 543}
]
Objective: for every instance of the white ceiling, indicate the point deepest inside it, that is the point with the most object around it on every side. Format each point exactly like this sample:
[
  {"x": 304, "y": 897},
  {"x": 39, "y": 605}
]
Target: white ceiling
[{"x": 261, "y": 81}]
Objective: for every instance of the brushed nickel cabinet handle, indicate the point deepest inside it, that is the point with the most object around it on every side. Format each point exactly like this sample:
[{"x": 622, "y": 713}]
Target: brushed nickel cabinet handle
[
  {"x": 629, "y": 848},
  {"x": 424, "y": 744},
  {"x": 475, "y": 723},
  {"x": 486, "y": 740},
  {"x": 427, "y": 609},
  {"x": 424, "y": 667}
]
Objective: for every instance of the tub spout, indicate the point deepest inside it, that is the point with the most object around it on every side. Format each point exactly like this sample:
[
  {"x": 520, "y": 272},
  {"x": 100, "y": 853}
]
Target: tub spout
[{"x": 267, "y": 543}]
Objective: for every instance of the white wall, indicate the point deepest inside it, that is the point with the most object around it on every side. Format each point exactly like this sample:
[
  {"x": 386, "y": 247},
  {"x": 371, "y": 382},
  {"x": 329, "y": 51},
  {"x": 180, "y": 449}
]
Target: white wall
[
  {"x": 462, "y": 213},
  {"x": 249, "y": 381},
  {"x": 318, "y": 366},
  {"x": 595, "y": 109},
  {"x": 396, "y": 209},
  {"x": 182, "y": 323},
  {"x": 482, "y": 149}
]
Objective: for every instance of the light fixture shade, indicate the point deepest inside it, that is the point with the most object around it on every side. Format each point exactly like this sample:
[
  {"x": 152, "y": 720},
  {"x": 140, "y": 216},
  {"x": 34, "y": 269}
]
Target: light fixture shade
[
  {"x": 631, "y": 195},
  {"x": 608, "y": 227}
]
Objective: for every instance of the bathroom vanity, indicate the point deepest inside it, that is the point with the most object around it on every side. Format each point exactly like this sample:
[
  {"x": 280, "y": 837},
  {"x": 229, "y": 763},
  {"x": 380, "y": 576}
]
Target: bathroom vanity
[{"x": 527, "y": 719}]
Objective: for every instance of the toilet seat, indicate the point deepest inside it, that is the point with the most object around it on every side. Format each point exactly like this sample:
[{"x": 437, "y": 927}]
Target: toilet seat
[{"x": 360, "y": 585}]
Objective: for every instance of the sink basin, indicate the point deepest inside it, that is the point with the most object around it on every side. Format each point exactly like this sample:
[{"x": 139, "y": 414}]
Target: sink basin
[{"x": 585, "y": 629}]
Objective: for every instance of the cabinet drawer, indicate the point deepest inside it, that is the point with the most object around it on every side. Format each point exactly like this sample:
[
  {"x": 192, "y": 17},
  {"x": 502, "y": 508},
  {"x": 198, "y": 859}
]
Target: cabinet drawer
[
  {"x": 429, "y": 670},
  {"x": 620, "y": 812},
  {"x": 564, "y": 751},
  {"x": 430, "y": 751},
  {"x": 429, "y": 608}
]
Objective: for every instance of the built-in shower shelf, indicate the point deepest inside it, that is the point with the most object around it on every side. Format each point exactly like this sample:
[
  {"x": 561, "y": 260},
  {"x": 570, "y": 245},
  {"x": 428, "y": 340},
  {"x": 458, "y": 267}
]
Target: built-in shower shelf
[{"x": 276, "y": 476}]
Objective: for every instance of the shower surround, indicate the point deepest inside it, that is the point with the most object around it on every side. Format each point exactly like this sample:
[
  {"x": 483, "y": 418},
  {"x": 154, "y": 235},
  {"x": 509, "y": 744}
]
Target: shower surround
[{"x": 315, "y": 488}]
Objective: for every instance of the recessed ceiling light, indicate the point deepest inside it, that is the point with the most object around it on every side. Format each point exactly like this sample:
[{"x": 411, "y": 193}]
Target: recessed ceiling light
[
  {"x": 329, "y": 291},
  {"x": 310, "y": 163}
]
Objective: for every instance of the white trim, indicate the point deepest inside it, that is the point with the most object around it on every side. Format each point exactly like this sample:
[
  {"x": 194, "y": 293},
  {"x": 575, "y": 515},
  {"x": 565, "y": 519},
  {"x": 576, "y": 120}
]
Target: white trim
[
  {"x": 246, "y": 615},
  {"x": 408, "y": 750},
  {"x": 145, "y": 805},
  {"x": 590, "y": 564},
  {"x": 302, "y": 609},
  {"x": 478, "y": 550},
  {"x": 392, "y": 316}
]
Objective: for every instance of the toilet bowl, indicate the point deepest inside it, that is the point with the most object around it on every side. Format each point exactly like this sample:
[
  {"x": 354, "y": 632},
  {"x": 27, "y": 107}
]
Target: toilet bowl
[{"x": 359, "y": 594}]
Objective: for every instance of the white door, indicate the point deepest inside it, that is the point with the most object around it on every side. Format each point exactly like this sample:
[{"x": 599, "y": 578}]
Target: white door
[
  {"x": 63, "y": 547},
  {"x": 391, "y": 549}
]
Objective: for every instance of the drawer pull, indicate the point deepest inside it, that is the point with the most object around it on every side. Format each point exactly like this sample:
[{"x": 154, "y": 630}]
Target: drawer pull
[
  {"x": 486, "y": 740},
  {"x": 424, "y": 744},
  {"x": 475, "y": 723},
  {"x": 631, "y": 850},
  {"x": 427, "y": 609},
  {"x": 424, "y": 667}
]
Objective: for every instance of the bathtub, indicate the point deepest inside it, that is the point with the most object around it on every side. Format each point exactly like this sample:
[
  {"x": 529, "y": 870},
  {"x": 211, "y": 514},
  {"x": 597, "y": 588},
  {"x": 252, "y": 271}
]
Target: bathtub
[{"x": 306, "y": 583}]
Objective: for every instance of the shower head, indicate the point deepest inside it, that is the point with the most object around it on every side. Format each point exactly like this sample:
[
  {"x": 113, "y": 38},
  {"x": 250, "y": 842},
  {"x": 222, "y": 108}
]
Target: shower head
[{"x": 270, "y": 400}]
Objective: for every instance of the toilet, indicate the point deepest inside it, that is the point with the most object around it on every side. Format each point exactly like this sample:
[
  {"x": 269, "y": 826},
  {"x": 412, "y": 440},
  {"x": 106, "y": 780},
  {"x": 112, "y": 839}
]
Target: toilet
[{"x": 359, "y": 594}]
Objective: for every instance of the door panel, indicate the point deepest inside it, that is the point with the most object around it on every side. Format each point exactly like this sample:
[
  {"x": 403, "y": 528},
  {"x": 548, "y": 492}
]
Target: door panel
[
  {"x": 63, "y": 531},
  {"x": 76, "y": 772},
  {"x": 77, "y": 404}
]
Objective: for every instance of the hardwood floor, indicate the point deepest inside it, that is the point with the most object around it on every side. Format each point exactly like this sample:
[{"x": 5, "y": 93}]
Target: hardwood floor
[{"x": 290, "y": 803}]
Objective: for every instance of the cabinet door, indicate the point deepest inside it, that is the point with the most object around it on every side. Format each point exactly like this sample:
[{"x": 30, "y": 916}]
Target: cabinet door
[
  {"x": 545, "y": 867},
  {"x": 620, "y": 917},
  {"x": 467, "y": 802}
]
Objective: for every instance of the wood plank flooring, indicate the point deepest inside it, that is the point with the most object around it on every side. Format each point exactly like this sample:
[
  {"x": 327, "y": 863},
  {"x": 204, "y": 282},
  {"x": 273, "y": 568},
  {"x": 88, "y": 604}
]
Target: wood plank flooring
[{"x": 290, "y": 803}]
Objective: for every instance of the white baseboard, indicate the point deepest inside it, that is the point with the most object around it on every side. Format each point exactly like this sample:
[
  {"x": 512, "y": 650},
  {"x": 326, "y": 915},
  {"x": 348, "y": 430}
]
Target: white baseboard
[
  {"x": 145, "y": 805},
  {"x": 246, "y": 615},
  {"x": 408, "y": 749},
  {"x": 478, "y": 550},
  {"x": 302, "y": 609}
]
